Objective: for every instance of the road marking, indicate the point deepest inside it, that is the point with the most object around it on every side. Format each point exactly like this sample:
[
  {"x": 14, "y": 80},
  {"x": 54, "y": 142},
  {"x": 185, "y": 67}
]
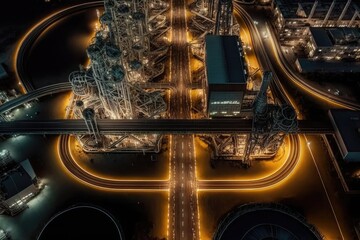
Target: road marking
[{"x": 323, "y": 184}]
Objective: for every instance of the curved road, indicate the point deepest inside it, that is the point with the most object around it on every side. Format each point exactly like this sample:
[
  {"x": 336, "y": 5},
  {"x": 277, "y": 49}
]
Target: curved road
[
  {"x": 297, "y": 79},
  {"x": 86, "y": 177},
  {"x": 114, "y": 184},
  {"x": 277, "y": 57},
  {"x": 268, "y": 181},
  {"x": 104, "y": 183},
  {"x": 34, "y": 94},
  {"x": 30, "y": 37}
]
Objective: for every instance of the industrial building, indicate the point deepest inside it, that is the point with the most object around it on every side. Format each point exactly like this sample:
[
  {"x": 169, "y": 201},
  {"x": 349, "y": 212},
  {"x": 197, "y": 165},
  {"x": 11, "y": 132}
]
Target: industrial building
[
  {"x": 333, "y": 43},
  {"x": 3, "y": 235},
  {"x": 226, "y": 75},
  {"x": 211, "y": 17},
  {"x": 347, "y": 132},
  {"x": 334, "y": 50},
  {"x": 17, "y": 187},
  {"x": 292, "y": 18},
  {"x": 125, "y": 54},
  {"x": 305, "y": 65}
]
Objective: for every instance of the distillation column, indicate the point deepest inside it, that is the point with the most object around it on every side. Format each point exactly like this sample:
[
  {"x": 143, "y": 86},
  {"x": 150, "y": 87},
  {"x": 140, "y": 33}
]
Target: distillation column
[
  {"x": 110, "y": 85},
  {"x": 90, "y": 121},
  {"x": 224, "y": 19},
  {"x": 270, "y": 124}
]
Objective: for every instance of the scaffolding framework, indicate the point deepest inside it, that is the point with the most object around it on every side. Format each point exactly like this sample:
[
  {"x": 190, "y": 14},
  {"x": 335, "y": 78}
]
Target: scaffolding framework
[
  {"x": 270, "y": 124},
  {"x": 125, "y": 53},
  {"x": 214, "y": 17}
]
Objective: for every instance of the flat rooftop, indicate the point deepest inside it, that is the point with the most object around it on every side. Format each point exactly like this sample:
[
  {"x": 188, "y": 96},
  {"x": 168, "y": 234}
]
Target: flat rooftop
[
  {"x": 14, "y": 181},
  {"x": 328, "y": 37},
  {"x": 347, "y": 124},
  {"x": 310, "y": 66},
  {"x": 321, "y": 37},
  {"x": 289, "y": 9},
  {"x": 224, "y": 60}
]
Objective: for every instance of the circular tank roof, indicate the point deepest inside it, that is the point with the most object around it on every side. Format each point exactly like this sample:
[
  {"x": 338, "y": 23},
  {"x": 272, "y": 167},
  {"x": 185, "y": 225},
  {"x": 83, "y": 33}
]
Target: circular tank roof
[
  {"x": 138, "y": 15},
  {"x": 117, "y": 73},
  {"x": 135, "y": 64},
  {"x": 261, "y": 221},
  {"x": 123, "y": 9},
  {"x": 82, "y": 222},
  {"x": 79, "y": 103},
  {"x": 88, "y": 113},
  {"x": 112, "y": 50}
]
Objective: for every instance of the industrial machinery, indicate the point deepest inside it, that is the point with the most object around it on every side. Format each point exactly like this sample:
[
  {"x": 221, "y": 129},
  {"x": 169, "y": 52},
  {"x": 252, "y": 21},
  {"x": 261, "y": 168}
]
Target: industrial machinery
[
  {"x": 125, "y": 53},
  {"x": 211, "y": 17},
  {"x": 270, "y": 124}
]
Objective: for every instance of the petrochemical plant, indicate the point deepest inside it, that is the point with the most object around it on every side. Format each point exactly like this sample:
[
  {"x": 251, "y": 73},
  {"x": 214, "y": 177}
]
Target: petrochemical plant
[
  {"x": 225, "y": 74},
  {"x": 125, "y": 57},
  {"x": 125, "y": 53},
  {"x": 186, "y": 120}
]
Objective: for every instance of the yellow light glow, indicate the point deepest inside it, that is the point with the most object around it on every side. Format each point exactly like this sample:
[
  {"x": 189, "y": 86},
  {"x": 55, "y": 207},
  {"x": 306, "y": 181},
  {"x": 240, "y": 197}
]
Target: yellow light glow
[
  {"x": 281, "y": 179},
  {"x": 26, "y": 36}
]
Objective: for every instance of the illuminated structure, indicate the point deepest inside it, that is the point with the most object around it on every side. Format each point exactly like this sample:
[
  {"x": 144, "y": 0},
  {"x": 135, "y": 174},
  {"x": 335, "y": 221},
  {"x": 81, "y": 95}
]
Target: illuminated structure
[
  {"x": 18, "y": 186},
  {"x": 333, "y": 43},
  {"x": 327, "y": 47},
  {"x": 125, "y": 53},
  {"x": 226, "y": 75},
  {"x": 226, "y": 87},
  {"x": 270, "y": 124},
  {"x": 211, "y": 16},
  {"x": 292, "y": 18},
  {"x": 224, "y": 19}
]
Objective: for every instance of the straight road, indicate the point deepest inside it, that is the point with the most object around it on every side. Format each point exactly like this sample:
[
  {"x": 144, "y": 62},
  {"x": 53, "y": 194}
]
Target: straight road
[{"x": 183, "y": 216}]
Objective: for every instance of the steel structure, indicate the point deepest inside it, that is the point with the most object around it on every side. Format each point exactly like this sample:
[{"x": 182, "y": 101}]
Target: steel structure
[
  {"x": 211, "y": 16},
  {"x": 270, "y": 124},
  {"x": 125, "y": 53},
  {"x": 224, "y": 19}
]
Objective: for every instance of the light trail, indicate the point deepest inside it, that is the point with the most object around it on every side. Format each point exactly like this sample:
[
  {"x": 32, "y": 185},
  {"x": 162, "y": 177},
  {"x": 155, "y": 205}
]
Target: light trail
[
  {"x": 33, "y": 33},
  {"x": 299, "y": 83},
  {"x": 308, "y": 143},
  {"x": 324, "y": 96},
  {"x": 269, "y": 181},
  {"x": 101, "y": 182},
  {"x": 265, "y": 64}
]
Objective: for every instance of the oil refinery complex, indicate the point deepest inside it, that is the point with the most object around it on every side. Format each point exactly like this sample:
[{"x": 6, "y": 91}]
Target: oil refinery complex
[
  {"x": 125, "y": 52},
  {"x": 201, "y": 116},
  {"x": 122, "y": 58}
]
